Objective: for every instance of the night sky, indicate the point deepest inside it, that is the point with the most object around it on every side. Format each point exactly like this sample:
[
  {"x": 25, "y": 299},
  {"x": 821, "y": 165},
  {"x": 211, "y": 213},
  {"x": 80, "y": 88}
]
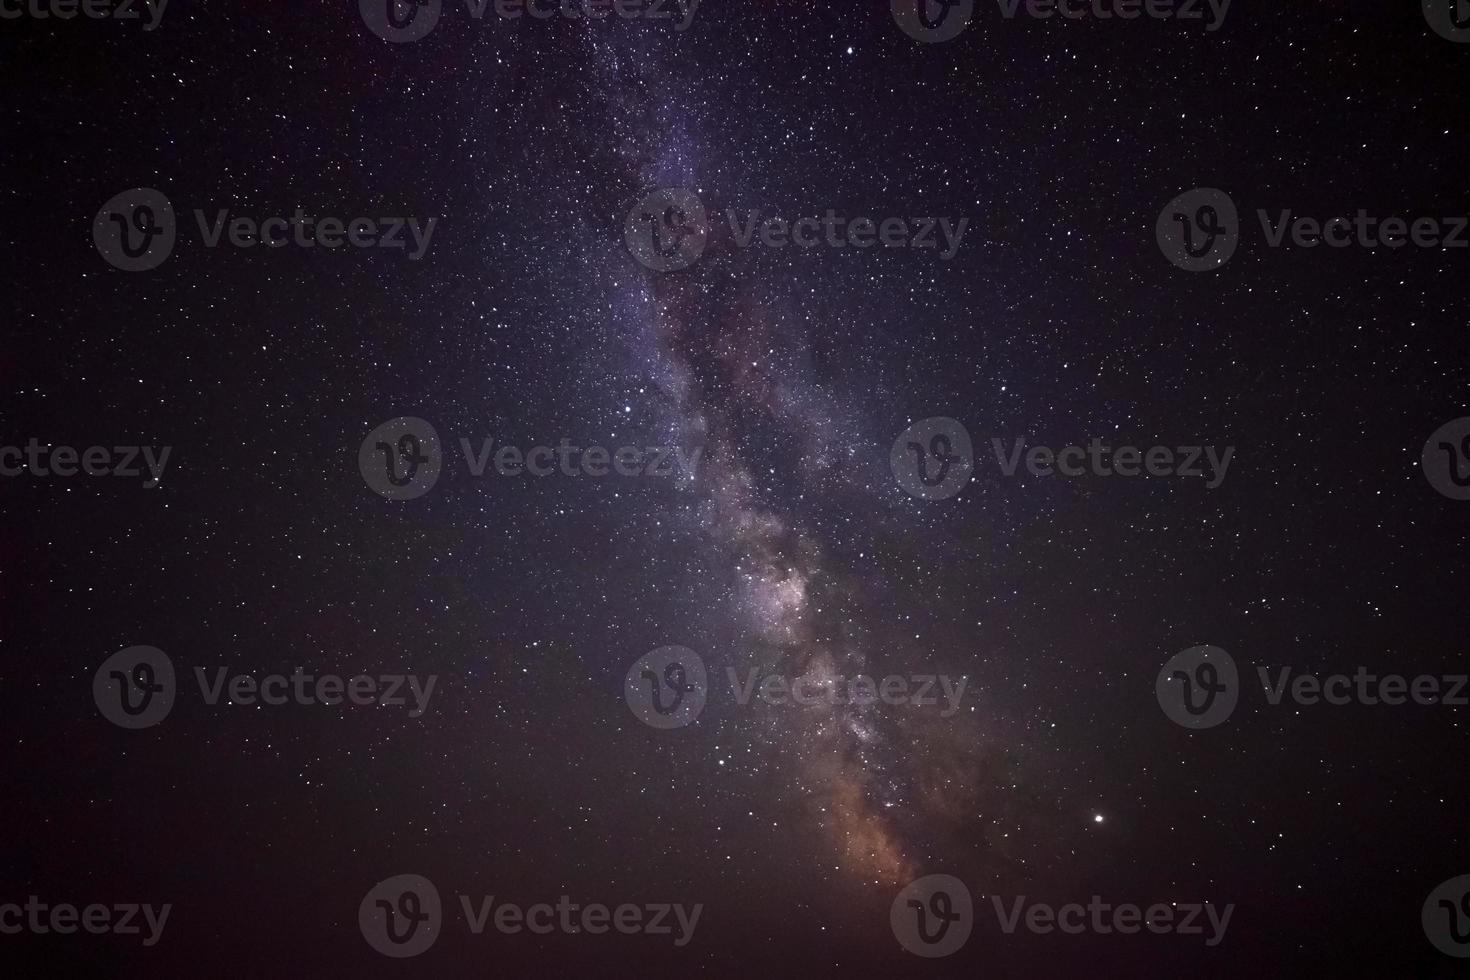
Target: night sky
[{"x": 789, "y": 544}]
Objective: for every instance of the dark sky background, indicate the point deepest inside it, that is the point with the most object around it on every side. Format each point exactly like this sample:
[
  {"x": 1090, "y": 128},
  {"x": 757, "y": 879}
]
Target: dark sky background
[{"x": 528, "y": 320}]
